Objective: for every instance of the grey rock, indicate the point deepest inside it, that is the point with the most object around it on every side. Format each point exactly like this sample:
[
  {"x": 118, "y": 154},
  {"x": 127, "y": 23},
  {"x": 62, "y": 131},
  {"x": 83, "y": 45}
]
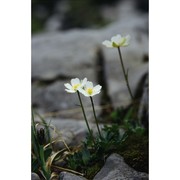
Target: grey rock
[
  {"x": 70, "y": 176},
  {"x": 65, "y": 53},
  {"x": 116, "y": 169},
  {"x": 34, "y": 176},
  {"x": 54, "y": 98},
  {"x": 117, "y": 84},
  {"x": 72, "y": 131}
]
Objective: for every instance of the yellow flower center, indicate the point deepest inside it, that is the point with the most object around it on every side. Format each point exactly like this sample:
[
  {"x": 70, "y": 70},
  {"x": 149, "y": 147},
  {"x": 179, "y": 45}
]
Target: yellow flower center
[
  {"x": 76, "y": 86},
  {"x": 89, "y": 91}
]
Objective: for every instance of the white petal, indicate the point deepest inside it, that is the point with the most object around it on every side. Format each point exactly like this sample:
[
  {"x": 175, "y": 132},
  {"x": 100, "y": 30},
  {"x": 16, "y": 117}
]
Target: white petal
[
  {"x": 70, "y": 91},
  {"x": 116, "y": 39},
  {"x": 95, "y": 92},
  {"x": 128, "y": 37},
  {"x": 82, "y": 91},
  {"x": 75, "y": 81},
  {"x": 107, "y": 43},
  {"x": 97, "y": 88},
  {"x": 118, "y": 36},
  {"x": 83, "y": 82},
  {"x": 86, "y": 94},
  {"x": 123, "y": 41},
  {"x": 89, "y": 84},
  {"x": 125, "y": 44},
  {"x": 68, "y": 86},
  {"x": 127, "y": 40}
]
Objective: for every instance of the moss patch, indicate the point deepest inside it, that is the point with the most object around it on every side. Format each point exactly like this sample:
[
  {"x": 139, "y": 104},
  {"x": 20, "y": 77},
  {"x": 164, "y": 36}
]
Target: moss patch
[
  {"x": 135, "y": 152},
  {"x": 93, "y": 170}
]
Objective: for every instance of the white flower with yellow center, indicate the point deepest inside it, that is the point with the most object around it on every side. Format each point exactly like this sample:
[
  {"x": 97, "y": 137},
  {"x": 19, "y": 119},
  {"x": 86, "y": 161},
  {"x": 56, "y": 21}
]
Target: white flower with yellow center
[
  {"x": 117, "y": 41},
  {"x": 89, "y": 90},
  {"x": 75, "y": 85}
]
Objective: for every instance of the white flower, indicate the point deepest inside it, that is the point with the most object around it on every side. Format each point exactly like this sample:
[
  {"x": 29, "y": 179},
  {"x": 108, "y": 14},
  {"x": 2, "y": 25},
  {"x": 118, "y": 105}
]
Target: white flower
[
  {"x": 75, "y": 85},
  {"x": 89, "y": 90},
  {"x": 117, "y": 41}
]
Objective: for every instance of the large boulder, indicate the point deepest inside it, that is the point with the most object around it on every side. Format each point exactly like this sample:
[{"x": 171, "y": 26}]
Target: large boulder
[{"x": 116, "y": 169}]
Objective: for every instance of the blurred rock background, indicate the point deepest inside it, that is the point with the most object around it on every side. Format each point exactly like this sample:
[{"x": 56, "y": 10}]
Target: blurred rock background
[{"x": 66, "y": 43}]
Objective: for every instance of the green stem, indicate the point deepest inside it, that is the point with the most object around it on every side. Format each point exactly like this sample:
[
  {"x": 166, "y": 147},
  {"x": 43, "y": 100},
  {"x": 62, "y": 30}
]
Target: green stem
[
  {"x": 125, "y": 75},
  {"x": 95, "y": 116},
  {"x": 90, "y": 132},
  {"x": 45, "y": 169}
]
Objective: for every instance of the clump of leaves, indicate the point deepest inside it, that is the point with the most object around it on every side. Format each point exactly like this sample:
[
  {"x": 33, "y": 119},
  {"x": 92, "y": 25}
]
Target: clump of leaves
[
  {"x": 117, "y": 116},
  {"x": 91, "y": 15},
  {"x": 135, "y": 149},
  {"x": 127, "y": 119},
  {"x": 90, "y": 158}
]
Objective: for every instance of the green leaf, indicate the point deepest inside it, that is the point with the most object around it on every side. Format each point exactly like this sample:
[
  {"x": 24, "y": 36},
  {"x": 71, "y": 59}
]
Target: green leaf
[
  {"x": 47, "y": 153},
  {"x": 85, "y": 156},
  {"x": 34, "y": 165},
  {"x": 128, "y": 115},
  {"x": 35, "y": 145}
]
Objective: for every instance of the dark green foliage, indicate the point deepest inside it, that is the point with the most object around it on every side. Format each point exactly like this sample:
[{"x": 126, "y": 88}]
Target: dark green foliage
[
  {"x": 43, "y": 7},
  {"x": 82, "y": 14},
  {"x": 90, "y": 158},
  {"x": 39, "y": 155},
  {"x": 101, "y": 2},
  {"x": 111, "y": 139},
  {"x": 135, "y": 148},
  {"x": 132, "y": 145},
  {"x": 127, "y": 119},
  {"x": 37, "y": 25},
  {"x": 117, "y": 116}
]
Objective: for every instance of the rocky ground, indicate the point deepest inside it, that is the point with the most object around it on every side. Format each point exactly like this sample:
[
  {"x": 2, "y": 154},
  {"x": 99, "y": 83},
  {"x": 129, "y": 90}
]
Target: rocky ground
[
  {"x": 114, "y": 169},
  {"x": 58, "y": 56}
]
